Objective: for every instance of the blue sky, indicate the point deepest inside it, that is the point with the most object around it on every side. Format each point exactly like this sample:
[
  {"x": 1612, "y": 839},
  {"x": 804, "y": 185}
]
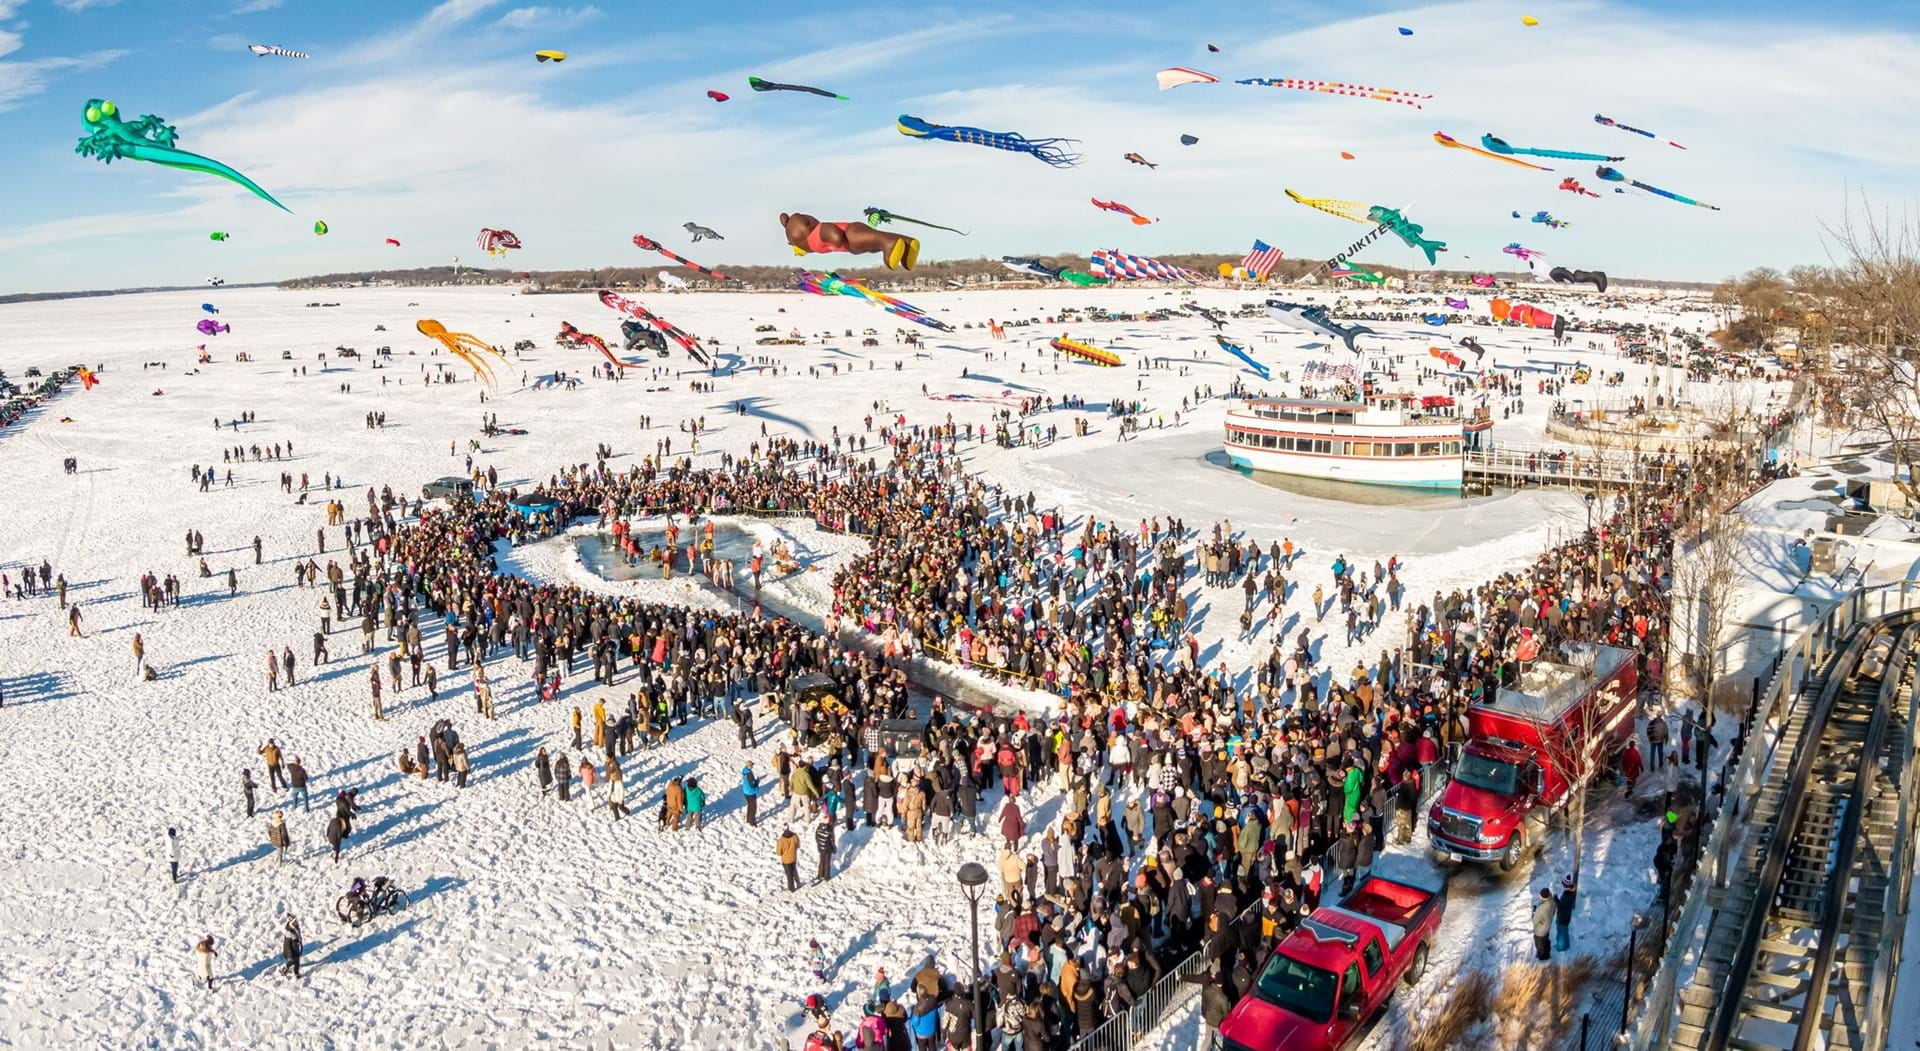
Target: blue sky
[{"x": 425, "y": 122}]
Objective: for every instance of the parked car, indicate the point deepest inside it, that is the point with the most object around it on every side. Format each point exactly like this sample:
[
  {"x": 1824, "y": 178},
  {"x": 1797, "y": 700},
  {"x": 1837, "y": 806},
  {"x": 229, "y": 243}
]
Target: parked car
[{"x": 449, "y": 488}]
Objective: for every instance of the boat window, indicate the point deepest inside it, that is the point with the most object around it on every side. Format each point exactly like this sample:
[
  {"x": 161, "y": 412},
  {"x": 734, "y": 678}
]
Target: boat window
[
  {"x": 1453, "y": 448},
  {"x": 1429, "y": 448},
  {"x": 1267, "y": 441},
  {"x": 1403, "y": 449},
  {"x": 1343, "y": 417},
  {"x": 1322, "y": 445},
  {"x": 1360, "y": 449}
]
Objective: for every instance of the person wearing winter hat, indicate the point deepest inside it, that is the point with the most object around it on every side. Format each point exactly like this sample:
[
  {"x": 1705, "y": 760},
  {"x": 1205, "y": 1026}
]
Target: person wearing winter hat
[{"x": 1563, "y": 910}]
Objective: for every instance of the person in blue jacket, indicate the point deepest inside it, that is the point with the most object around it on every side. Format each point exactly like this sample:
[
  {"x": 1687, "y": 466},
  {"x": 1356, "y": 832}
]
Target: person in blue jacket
[
  {"x": 923, "y": 1023},
  {"x": 696, "y": 802},
  {"x": 750, "y": 788}
]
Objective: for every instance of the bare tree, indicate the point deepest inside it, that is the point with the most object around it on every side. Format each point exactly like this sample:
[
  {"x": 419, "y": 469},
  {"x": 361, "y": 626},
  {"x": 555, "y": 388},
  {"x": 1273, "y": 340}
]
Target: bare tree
[
  {"x": 1873, "y": 308},
  {"x": 1706, "y": 575}
]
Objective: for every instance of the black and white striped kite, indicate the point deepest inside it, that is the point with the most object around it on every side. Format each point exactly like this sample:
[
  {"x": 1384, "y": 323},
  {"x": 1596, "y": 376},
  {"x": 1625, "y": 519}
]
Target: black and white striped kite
[{"x": 263, "y": 51}]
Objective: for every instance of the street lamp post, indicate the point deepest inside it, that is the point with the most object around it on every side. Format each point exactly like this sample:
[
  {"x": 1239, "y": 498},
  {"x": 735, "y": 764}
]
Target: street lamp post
[
  {"x": 1589, "y": 510},
  {"x": 973, "y": 880}
]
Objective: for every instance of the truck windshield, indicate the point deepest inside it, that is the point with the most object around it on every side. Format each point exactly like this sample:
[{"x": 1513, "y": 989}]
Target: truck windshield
[
  {"x": 1491, "y": 775},
  {"x": 1306, "y": 991}
]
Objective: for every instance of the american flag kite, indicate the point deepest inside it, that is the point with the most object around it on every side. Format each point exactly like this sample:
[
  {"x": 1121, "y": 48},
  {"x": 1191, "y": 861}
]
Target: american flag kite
[
  {"x": 1261, "y": 260},
  {"x": 1115, "y": 265}
]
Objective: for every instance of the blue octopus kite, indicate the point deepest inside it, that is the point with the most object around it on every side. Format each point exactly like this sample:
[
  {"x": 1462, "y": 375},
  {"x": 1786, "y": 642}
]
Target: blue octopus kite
[{"x": 1052, "y": 151}]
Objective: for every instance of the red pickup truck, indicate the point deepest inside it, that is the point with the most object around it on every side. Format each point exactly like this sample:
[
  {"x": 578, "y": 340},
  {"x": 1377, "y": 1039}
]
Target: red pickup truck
[{"x": 1321, "y": 985}]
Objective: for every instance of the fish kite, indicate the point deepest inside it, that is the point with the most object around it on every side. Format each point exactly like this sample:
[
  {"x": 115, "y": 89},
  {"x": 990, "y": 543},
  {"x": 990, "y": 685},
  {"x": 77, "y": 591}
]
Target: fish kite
[
  {"x": 1334, "y": 87},
  {"x": 718, "y": 96},
  {"x": 1607, "y": 121},
  {"x": 1176, "y": 76},
  {"x": 1241, "y": 353},
  {"x": 1469, "y": 343},
  {"x": 1452, "y": 143},
  {"x": 880, "y": 216},
  {"x": 1613, "y": 175},
  {"x": 1500, "y": 146},
  {"x": 550, "y": 56},
  {"x": 1314, "y": 319},
  {"x": 1596, "y": 278},
  {"x": 701, "y": 233},
  {"x": 497, "y": 243},
  {"x": 1052, "y": 151},
  {"x": 209, "y": 308},
  {"x": 1457, "y": 304},
  {"x": 152, "y": 140},
  {"x": 1036, "y": 268},
  {"x": 320, "y": 228},
  {"x": 1383, "y": 218},
  {"x": 1483, "y": 280},
  {"x": 1515, "y": 248},
  {"x": 645, "y": 243},
  {"x": 1434, "y": 319},
  {"x": 1137, "y": 159},
  {"x": 209, "y": 327},
  {"x": 1188, "y": 140},
  {"x": 1116, "y": 206},
  {"x": 687, "y": 341},
  {"x": 1358, "y": 274},
  {"x": 568, "y": 336},
  {"x": 263, "y": 50},
  {"x": 1115, "y": 265},
  {"x": 218, "y": 235},
  {"x": 1572, "y": 185},
  {"x": 1086, "y": 352},
  {"x": 767, "y": 85},
  {"x": 394, "y": 241},
  {"x": 830, "y": 284},
  {"x": 470, "y": 349},
  {"x": 1545, "y": 219}
]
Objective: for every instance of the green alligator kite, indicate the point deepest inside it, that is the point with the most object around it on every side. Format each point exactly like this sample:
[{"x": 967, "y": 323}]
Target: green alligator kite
[
  {"x": 1407, "y": 230},
  {"x": 150, "y": 139}
]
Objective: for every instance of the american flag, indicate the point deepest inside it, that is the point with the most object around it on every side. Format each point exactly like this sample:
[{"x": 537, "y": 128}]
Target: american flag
[{"x": 1260, "y": 262}]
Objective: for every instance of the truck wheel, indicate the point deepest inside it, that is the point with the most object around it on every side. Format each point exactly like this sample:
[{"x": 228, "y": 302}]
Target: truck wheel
[
  {"x": 1419, "y": 965},
  {"x": 1511, "y": 857}
]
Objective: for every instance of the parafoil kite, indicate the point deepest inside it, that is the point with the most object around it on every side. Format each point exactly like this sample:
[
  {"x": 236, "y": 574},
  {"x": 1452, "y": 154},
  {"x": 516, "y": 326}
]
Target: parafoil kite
[
  {"x": 1501, "y": 147},
  {"x": 263, "y": 50},
  {"x": 1115, "y": 265},
  {"x": 209, "y": 308},
  {"x": 767, "y": 85},
  {"x": 1215, "y": 48},
  {"x": 320, "y": 228},
  {"x": 1036, "y": 268},
  {"x": 150, "y": 139},
  {"x": 1137, "y": 159},
  {"x": 1315, "y": 319},
  {"x": 829, "y": 284},
  {"x": 669, "y": 279},
  {"x": 701, "y": 233},
  {"x": 1515, "y": 248},
  {"x": 394, "y": 242},
  {"x": 1086, "y": 352},
  {"x": 718, "y": 96},
  {"x": 209, "y": 327},
  {"x": 1611, "y": 123},
  {"x": 1483, "y": 280},
  {"x": 468, "y": 348},
  {"x": 687, "y": 341},
  {"x": 1529, "y": 20},
  {"x": 1176, "y": 76},
  {"x": 642, "y": 241},
  {"x": 1384, "y": 219},
  {"x": 1456, "y": 304},
  {"x": 497, "y": 243},
  {"x": 1345, "y": 156},
  {"x": 1115, "y": 206},
  {"x": 1241, "y": 352},
  {"x": 1596, "y": 278},
  {"x": 1404, "y": 31},
  {"x": 1522, "y": 314},
  {"x": 1613, "y": 175},
  {"x": 1572, "y": 185},
  {"x": 218, "y": 235},
  {"x": 1189, "y": 140},
  {"x": 807, "y": 234},
  {"x": 1452, "y": 143},
  {"x": 549, "y": 56},
  {"x": 1334, "y": 87},
  {"x": 1434, "y": 319},
  {"x": 1447, "y": 356},
  {"x": 1052, "y": 151},
  {"x": 880, "y": 216}
]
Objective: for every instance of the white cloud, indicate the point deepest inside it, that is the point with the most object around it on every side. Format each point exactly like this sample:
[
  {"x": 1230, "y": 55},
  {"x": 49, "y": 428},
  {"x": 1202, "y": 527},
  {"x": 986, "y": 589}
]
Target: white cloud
[
  {"x": 547, "y": 19},
  {"x": 82, "y": 5},
  {"x": 23, "y": 80},
  {"x": 254, "y": 7}
]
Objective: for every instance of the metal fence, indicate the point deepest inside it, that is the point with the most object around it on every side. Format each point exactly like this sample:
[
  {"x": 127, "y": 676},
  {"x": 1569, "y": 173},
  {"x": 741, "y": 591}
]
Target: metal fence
[{"x": 1119, "y": 1032}]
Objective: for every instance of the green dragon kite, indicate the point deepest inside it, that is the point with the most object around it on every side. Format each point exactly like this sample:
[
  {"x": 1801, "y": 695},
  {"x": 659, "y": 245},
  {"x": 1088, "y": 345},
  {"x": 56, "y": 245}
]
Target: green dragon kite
[{"x": 150, "y": 139}]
